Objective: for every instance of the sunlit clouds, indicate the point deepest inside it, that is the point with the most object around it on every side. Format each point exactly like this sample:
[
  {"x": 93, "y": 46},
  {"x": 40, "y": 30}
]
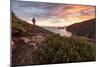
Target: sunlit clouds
[{"x": 50, "y": 14}]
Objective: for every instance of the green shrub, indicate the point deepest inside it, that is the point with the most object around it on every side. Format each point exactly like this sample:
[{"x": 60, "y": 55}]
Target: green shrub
[{"x": 57, "y": 49}]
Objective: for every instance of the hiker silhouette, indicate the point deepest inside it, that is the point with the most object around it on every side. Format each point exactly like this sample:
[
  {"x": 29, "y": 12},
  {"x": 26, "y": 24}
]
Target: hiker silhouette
[
  {"x": 33, "y": 21},
  {"x": 34, "y": 27}
]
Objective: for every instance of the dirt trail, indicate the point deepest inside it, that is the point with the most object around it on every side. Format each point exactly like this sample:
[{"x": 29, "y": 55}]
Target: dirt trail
[{"x": 24, "y": 49}]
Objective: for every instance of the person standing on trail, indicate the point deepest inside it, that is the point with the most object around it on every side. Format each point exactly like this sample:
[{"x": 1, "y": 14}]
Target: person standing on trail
[
  {"x": 33, "y": 21},
  {"x": 34, "y": 30}
]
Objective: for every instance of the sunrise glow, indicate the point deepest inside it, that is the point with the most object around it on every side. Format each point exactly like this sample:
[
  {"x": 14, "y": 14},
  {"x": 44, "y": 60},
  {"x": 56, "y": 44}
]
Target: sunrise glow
[{"x": 50, "y": 14}]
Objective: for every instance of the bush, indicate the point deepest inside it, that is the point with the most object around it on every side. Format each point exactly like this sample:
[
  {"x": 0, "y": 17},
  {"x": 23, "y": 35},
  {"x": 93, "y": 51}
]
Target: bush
[{"x": 57, "y": 49}]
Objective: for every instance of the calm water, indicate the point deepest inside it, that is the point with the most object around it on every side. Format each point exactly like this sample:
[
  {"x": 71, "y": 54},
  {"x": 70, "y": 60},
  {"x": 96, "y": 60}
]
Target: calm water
[{"x": 62, "y": 32}]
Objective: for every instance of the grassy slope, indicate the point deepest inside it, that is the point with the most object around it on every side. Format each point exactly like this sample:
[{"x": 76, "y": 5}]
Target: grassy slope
[
  {"x": 57, "y": 49},
  {"x": 85, "y": 28},
  {"x": 20, "y": 48},
  {"x": 22, "y": 28}
]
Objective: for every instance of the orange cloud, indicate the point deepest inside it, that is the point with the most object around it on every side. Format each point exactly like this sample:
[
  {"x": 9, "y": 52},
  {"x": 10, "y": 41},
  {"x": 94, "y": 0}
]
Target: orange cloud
[{"x": 76, "y": 12}]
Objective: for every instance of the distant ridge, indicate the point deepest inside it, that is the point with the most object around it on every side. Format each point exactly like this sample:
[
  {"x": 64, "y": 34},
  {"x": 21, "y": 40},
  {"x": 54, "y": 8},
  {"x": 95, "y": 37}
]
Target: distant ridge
[{"x": 86, "y": 28}]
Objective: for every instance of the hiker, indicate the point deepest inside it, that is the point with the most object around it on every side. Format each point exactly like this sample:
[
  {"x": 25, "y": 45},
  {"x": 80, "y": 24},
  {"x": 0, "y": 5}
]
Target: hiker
[
  {"x": 34, "y": 27},
  {"x": 34, "y": 21}
]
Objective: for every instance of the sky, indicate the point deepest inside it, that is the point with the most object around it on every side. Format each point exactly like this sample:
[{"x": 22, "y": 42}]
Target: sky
[{"x": 52, "y": 14}]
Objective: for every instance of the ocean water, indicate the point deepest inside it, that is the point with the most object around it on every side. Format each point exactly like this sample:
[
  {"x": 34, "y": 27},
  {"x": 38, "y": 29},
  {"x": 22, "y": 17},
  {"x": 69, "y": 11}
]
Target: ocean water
[{"x": 62, "y": 31}]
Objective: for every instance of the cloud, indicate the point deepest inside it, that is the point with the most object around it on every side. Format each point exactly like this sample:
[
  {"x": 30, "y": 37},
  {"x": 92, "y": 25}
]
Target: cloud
[{"x": 52, "y": 13}]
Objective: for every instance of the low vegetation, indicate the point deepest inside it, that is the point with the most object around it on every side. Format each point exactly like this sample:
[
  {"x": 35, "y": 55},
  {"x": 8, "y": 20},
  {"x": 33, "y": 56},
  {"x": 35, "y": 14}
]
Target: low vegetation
[{"x": 57, "y": 49}]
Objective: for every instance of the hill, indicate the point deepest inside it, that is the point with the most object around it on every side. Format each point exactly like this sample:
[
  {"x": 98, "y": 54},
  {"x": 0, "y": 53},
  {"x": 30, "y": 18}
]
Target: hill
[
  {"x": 85, "y": 28},
  {"x": 57, "y": 49},
  {"x": 25, "y": 40},
  {"x": 22, "y": 28}
]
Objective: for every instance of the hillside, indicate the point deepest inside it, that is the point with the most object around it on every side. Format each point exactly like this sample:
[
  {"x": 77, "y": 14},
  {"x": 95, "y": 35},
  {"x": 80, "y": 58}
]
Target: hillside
[
  {"x": 57, "y": 49},
  {"x": 85, "y": 28},
  {"x": 24, "y": 42},
  {"x": 22, "y": 28}
]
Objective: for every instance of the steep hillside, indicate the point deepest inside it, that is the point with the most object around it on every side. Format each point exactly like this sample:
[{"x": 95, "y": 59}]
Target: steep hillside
[
  {"x": 85, "y": 28},
  {"x": 22, "y": 28},
  {"x": 25, "y": 40}
]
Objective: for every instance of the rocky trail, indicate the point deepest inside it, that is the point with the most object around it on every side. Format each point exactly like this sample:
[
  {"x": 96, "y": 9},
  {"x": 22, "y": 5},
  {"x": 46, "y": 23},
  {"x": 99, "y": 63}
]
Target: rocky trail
[{"x": 23, "y": 49}]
